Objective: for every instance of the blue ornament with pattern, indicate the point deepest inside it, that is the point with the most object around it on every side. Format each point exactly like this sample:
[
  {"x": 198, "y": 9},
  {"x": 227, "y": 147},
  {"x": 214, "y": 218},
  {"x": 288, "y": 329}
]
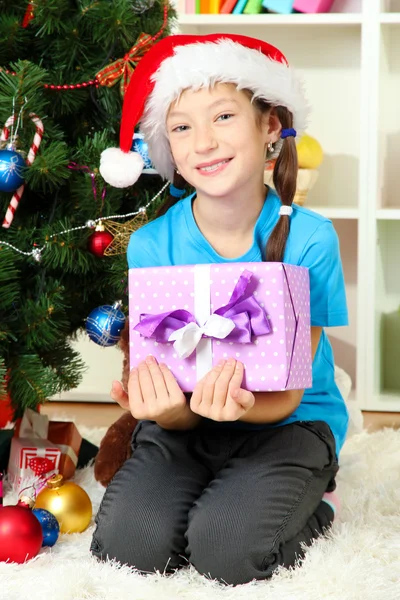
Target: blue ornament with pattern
[
  {"x": 141, "y": 147},
  {"x": 50, "y": 526},
  {"x": 11, "y": 170},
  {"x": 105, "y": 323}
]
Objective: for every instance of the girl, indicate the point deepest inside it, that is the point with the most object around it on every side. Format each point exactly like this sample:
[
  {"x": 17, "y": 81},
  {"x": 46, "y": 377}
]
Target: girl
[{"x": 230, "y": 481}]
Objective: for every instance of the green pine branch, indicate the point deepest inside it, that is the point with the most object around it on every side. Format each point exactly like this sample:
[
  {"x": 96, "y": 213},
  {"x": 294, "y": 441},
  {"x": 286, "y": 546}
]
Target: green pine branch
[
  {"x": 9, "y": 280},
  {"x": 32, "y": 382},
  {"x": 49, "y": 170},
  {"x": 43, "y": 304}
]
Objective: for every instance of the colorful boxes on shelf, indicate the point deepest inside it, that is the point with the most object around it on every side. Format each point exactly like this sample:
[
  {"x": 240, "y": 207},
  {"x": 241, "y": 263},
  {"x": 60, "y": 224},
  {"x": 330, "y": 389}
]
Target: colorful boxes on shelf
[
  {"x": 191, "y": 317},
  {"x": 284, "y": 7},
  {"x": 312, "y": 6}
]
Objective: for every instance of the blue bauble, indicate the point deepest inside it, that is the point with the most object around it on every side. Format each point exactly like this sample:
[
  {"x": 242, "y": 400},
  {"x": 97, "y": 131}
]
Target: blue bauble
[
  {"x": 141, "y": 147},
  {"x": 11, "y": 169},
  {"x": 104, "y": 324},
  {"x": 50, "y": 526}
]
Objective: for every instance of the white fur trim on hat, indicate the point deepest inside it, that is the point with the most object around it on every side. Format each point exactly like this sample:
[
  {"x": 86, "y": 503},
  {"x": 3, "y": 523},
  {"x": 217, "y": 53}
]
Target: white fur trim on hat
[
  {"x": 120, "y": 169},
  {"x": 203, "y": 64}
]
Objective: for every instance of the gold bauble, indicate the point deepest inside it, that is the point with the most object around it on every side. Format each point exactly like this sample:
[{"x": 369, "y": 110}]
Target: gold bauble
[{"x": 68, "y": 502}]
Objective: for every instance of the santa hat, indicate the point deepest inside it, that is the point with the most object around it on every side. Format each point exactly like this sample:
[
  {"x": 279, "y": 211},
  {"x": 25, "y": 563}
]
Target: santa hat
[{"x": 179, "y": 62}]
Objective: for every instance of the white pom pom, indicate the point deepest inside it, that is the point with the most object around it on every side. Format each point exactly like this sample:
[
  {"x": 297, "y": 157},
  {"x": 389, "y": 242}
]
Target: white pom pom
[{"x": 120, "y": 169}]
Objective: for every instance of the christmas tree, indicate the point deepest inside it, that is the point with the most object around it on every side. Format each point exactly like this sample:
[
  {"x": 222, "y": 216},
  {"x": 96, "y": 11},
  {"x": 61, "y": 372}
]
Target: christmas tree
[{"x": 65, "y": 65}]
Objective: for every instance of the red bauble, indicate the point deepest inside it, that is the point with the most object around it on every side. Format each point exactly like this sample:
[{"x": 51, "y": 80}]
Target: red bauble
[
  {"x": 21, "y": 535},
  {"x": 98, "y": 242}
]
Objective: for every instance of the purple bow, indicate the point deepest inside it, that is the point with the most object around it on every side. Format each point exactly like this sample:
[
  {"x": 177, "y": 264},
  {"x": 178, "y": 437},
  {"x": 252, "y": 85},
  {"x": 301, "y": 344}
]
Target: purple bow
[{"x": 243, "y": 309}]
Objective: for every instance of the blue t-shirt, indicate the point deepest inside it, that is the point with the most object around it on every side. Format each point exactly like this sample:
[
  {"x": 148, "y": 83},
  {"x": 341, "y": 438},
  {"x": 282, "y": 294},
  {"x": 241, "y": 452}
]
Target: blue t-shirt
[{"x": 175, "y": 239}]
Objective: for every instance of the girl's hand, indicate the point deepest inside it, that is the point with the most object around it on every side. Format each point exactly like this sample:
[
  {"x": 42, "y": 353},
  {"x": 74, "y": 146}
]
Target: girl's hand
[
  {"x": 218, "y": 396},
  {"x": 154, "y": 393}
]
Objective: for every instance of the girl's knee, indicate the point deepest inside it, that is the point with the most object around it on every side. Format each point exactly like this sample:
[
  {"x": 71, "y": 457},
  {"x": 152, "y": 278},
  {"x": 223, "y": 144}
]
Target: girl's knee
[
  {"x": 146, "y": 549},
  {"x": 216, "y": 552}
]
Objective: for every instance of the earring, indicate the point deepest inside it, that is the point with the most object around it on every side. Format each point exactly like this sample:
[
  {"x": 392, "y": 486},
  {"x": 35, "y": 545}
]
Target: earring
[{"x": 270, "y": 147}]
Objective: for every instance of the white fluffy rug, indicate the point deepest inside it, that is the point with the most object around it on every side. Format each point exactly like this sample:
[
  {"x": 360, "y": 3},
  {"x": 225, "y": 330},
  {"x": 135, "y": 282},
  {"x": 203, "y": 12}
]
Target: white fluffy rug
[{"x": 360, "y": 560}]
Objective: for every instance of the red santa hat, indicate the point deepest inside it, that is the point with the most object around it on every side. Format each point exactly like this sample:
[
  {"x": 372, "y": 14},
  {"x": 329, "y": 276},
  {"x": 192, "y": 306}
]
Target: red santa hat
[{"x": 179, "y": 62}]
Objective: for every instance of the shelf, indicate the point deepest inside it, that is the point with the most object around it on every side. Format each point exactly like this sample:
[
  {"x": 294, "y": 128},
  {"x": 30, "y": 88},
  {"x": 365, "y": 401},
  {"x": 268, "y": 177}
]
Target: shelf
[
  {"x": 387, "y": 401},
  {"x": 392, "y": 214},
  {"x": 391, "y": 18},
  {"x": 333, "y": 19},
  {"x": 335, "y": 212}
]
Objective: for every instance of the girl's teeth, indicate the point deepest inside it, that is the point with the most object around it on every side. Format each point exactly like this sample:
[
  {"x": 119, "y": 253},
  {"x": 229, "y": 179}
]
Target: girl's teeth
[{"x": 213, "y": 167}]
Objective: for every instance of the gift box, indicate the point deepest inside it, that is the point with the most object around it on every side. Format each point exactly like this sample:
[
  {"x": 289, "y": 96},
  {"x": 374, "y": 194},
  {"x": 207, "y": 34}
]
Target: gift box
[
  {"x": 35, "y": 437},
  {"x": 191, "y": 317},
  {"x": 66, "y": 436},
  {"x": 283, "y": 7},
  {"x": 23, "y": 450},
  {"x": 312, "y": 6}
]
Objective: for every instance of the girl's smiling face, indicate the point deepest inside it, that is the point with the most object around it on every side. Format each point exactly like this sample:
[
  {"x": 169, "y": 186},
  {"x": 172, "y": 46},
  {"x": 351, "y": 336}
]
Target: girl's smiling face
[{"x": 217, "y": 142}]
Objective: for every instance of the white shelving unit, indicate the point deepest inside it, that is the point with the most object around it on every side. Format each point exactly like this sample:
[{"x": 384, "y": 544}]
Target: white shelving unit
[{"x": 350, "y": 60}]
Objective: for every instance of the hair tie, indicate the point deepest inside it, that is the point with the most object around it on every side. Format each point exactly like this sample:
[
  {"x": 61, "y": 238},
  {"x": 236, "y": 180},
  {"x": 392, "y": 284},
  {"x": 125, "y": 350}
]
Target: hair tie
[
  {"x": 286, "y": 210},
  {"x": 288, "y": 133},
  {"x": 176, "y": 192}
]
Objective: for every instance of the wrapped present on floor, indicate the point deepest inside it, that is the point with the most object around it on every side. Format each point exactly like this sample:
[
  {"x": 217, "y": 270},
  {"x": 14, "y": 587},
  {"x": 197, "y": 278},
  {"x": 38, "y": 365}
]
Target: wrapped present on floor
[
  {"x": 66, "y": 437},
  {"x": 35, "y": 437},
  {"x": 22, "y": 464},
  {"x": 28, "y": 445},
  {"x": 191, "y": 317}
]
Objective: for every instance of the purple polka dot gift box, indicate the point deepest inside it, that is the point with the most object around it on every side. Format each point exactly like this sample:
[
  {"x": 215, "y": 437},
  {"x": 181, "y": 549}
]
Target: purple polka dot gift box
[{"x": 190, "y": 317}]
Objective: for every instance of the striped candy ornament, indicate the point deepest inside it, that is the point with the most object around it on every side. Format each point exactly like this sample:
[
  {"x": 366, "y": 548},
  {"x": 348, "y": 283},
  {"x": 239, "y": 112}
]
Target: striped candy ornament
[{"x": 29, "y": 160}]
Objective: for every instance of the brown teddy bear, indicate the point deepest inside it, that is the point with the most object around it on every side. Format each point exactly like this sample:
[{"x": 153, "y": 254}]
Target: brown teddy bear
[{"x": 115, "y": 447}]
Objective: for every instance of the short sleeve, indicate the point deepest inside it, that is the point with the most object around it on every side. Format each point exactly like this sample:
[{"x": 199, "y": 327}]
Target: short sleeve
[
  {"x": 137, "y": 254},
  {"x": 327, "y": 288}
]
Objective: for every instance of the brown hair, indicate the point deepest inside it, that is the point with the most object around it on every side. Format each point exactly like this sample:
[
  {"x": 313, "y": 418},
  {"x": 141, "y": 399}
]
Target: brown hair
[{"x": 284, "y": 178}]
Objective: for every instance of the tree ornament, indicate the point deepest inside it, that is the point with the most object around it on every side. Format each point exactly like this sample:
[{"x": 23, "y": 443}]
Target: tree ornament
[
  {"x": 122, "y": 69},
  {"x": 105, "y": 323},
  {"x": 49, "y": 524},
  {"x": 68, "y": 502},
  {"x": 140, "y": 6},
  {"x": 11, "y": 169},
  {"x": 21, "y": 535},
  {"x": 37, "y": 254},
  {"x": 29, "y": 14},
  {"x": 29, "y": 160},
  {"x": 140, "y": 147},
  {"x": 99, "y": 240},
  {"x": 122, "y": 232}
]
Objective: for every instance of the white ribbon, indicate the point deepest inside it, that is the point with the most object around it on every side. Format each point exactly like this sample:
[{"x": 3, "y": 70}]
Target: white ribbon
[
  {"x": 69, "y": 452},
  {"x": 187, "y": 338}
]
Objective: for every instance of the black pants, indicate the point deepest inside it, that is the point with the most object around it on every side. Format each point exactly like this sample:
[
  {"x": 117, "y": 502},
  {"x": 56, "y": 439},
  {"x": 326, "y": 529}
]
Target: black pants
[{"x": 235, "y": 504}]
